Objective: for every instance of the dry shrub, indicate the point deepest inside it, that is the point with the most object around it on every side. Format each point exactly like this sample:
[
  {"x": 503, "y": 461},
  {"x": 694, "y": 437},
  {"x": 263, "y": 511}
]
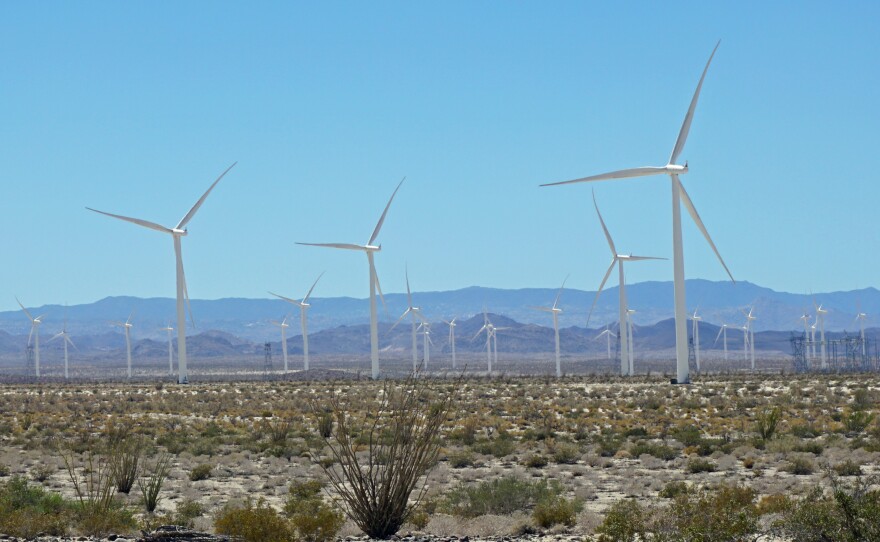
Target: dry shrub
[{"x": 250, "y": 523}]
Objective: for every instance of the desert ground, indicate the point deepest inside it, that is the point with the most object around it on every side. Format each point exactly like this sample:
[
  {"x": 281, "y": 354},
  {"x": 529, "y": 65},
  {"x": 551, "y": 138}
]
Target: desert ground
[{"x": 598, "y": 439}]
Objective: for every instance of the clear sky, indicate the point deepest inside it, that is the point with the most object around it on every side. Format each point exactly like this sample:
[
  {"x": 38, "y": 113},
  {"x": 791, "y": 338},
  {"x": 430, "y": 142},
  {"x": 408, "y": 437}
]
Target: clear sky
[{"x": 136, "y": 107}]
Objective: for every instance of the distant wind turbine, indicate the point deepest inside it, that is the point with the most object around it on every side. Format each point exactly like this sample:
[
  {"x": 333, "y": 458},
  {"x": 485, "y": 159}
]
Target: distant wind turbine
[
  {"x": 370, "y": 250},
  {"x": 618, "y": 259},
  {"x": 490, "y": 332},
  {"x": 629, "y": 327},
  {"x": 723, "y": 331},
  {"x": 64, "y": 335},
  {"x": 303, "y": 310},
  {"x": 177, "y": 232},
  {"x": 126, "y": 326},
  {"x": 283, "y": 325},
  {"x": 451, "y": 325},
  {"x": 608, "y": 334},
  {"x": 425, "y": 328},
  {"x": 35, "y": 334},
  {"x": 679, "y": 195},
  {"x": 820, "y": 319},
  {"x": 696, "y": 335},
  {"x": 170, "y": 331},
  {"x": 416, "y": 316},
  {"x": 861, "y": 317},
  {"x": 751, "y": 331},
  {"x": 555, "y": 311}
]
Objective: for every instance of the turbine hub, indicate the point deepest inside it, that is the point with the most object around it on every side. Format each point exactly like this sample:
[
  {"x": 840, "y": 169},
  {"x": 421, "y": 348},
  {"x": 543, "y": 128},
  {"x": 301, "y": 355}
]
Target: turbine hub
[
  {"x": 180, "y": 233},
  {"x": 675, "y": 169},
  {"x": 372, "y": 248}
]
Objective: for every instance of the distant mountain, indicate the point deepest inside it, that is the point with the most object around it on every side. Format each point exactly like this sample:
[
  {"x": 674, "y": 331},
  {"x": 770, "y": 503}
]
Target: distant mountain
[{"x": 249, "y": 319}]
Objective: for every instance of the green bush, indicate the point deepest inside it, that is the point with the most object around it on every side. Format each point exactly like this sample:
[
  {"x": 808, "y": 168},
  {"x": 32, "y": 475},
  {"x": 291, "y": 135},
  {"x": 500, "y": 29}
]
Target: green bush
[
  {"x": 659, "y": 451},
  {"x": 250, "y": 523},
  {"x": 201, "y": 472},
  {"x": 673, "y": 490},
  {"x": 498, "y": 447},
  {"x": 566, "y": 453},
  {"x": 26, "y": 510},
  {"x": 766, "y": 422},
  {"x": 698, "y": 465},
  {"x": 535, "y": 461},
  {"x": 625, "y": 521},
  {"x": 311, "y": 518},
  {"x": 498, "y": 496},
  {"x": 723, "y": 514},
  {"x": 800, "y": 466},
  {"x": 186, "y": 512},
  {"x": 556, "y": 510},
  {"x": 848, "y": 468},
  {"x": 4, "y": 470},
  {"x": 461, "y": 459},
  {"x": 857, "y": 421},
  {"x": 850, "y": 513}
]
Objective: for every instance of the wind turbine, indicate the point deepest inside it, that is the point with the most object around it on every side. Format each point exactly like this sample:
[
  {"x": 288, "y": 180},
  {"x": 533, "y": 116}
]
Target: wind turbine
[
  {"x": 820, "y": 319},
  {"x": 416, "y": 314},
  {"x": 303, "y": 309},
  {"x": 745, "y": 330},
  {"x": 490, "y": 332},
  {"x": 751, "y": 331},
  {"x": 723, "y": 331},
  {"x": 679, "y": 195},
  {"x": 425, "y": 327},
  {"x": 555, "y": 311},
  {"x": 369, "y": 249},
  {"x": 629, "y": 327},
  {"x": 452, "y": 325},
  {"x": 861, "y": 317},
  {"x": 35, "y": 334},
  {"x": 283, "y": 325},
  {"x": 65, "y": 338},
  {"x": 696, "y": 335},
  {"x": 170, "y": 330},
  {"x": 608, "y": 334},
  {"x": 127, "y": 325},
  {"x": 618, "y": 259},
  {"x": 177, "y": 232}
]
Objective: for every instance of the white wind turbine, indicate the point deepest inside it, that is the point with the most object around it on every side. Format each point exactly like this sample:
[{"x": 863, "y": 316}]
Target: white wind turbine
[
  {"x": 861, "y": 317},
  {"x": 369, "y": 249},
  {"x": 745, "y": 330},
  {"x": 126, "y": 326},
  {"x": 35, "y": 334},
  {"x": 820, "y": 319},
  {"x": 452, "y": 325},
  {"x": 555, "y": 311},
  {"x": 490, "y": 333},
  {"x": 619, "y": 260},
  {"x": 416, "y": 315},
  {"x": 813, "y": 338},
  {"x": 176, "y": 233},
  {"x": 751, "y": 332},
  {"x": 283, "y": 325},
  {"x": 425, "y": 328},
  {"x": 629, "y": 327},
  {"x": 64, "y": 335},
  {"x": 170, "y": 330},
  {"x": 608, "y": 334},
  {"x": 303, "y": 310},
  {"x": 679, "y": 195},
  {"x": 723, "y": 331},
  {"x": 806, "y": 318},
  {"x": 696, "y": 335}
]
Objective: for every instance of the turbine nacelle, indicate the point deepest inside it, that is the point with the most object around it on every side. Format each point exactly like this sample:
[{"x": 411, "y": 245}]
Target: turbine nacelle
[
  {"x": 675, "y": 169},
  {"x": 179, "y": 232}
]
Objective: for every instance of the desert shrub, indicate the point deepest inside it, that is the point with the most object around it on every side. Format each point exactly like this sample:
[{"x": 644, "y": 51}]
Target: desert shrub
[
  {"x": 556, "y": 510},
  {"x": 856, "y": 421},
  {"x": 4, "y": 470},
  {"x": 125, "y": 461},
  {"x": 201, "y": 472},
  {"x": 659, "y": 451},
  {"x": 812, "y": 447},
  {"x": 848, "y": 468},
  {"x": 498, "y": 496},
  {"x": 97, "y": 512},
  {"x": 402, "y": 432},
  {"x": 185, "y": 513},
  {"x": 748, "y": 462},
  {"x": 42, "y": 472},
  {"x": 253, "y": 523},
  {"x": 688, "y": 435},
  {"x": 311, "y": 518},
  {"x": 637, "y": 431},
  {"x": 151, "y": 485},
  {"x": 850, "y": 513},
  {"x": 723, "y": 514},
  {"x": 461, "y": 459},
  {"x": 625, "y": 521},
  {"x": 608, "y": 444},
  {"x": 803, "y": 430},
  {"x": 535, "y": 461},
  {"x": 28, "y": 510},
  {"x": 325, "y": 425},
  {"x": 766, "y": 421},
  {"x": 698, "y": 465},
  {"x": 673, "y": 489},
  {"x": 501, "y": 446},
  {"x": 566, "y": 453},
  {"x": 800, "y": 466},
  {"x": 773, "y": 504}
]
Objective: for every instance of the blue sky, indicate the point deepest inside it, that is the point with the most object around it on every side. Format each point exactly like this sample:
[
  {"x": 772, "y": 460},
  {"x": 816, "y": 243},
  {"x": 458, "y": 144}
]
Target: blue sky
[{"x": 135, "y": 108}]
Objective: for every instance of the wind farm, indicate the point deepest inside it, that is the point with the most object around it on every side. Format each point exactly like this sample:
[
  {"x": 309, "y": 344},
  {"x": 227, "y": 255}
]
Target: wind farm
[{"x": 499, "y": 383}]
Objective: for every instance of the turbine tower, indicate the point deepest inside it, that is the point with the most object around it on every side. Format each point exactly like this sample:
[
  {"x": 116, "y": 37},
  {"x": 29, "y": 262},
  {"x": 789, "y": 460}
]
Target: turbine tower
[
  {"x": 618, "y": 259},
  {"x": 555, "y": 311},
  {"x": 722, "y": 331},
  {"x": 126, "y": 326},
  {"x": 425, "y": 328},
  {"x": 283, "y": 325},
  {"x": 416, "y": 315},
  {"x": 35, "y": 334},
  {"x": 679, "y": 195},
  {"x": 608, "y": 334},
  {"x": 452, "y": 325},
  {"x": 170, "y": 330},
  {"x": 751, "y": 332},
  {"x": 861, "y": 317},
  {"x": 370, "y": 250},
  {"x": 65, "y": 339},
  {"x": 745, "y": 330},
  {"x": 490, "y": 332},
  {"x": 303, "y": 310},
  {"x": 176, "y": 233},
  {"x": 629, "y": 328},
  {"x": 820, "y": 319},
  {"x": 696, "y": 335}
]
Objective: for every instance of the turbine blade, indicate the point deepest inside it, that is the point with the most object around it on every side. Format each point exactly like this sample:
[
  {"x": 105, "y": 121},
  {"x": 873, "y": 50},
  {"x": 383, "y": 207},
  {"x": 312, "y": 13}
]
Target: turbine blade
[
  {"x": 408, "y": 293},
  {"x": 55, "y": 337},
  {"x": 686, "y": 125},
  {"x": 346, "y": 246},
  {"x": 186, "y": 296},
  {"x": 619, "y": 174},
  {"x": 138, "y": 221},
  {"x": 599, "y": 291},
  {"x": 25, "y": 310},
  {"x": 69, "y": 340},
  {"x": 294, "y": 301},
  {"x": 31, "y": 334},
  {"x": 192, "y": 212},
  {"x": 696, "y": 217},
  {"x": 399, "y": 320},
  {"x": 306, "y": 298},
  {"x": 385, "y": 212},
  {"x": 639, "y": 258},
  {"x": 719, "y": 335},
  {"x": 604, "y": 228},
  {"x": 559, "y": 293},
  {"x": 542, "y": 309},
  {"x": 478, "y": 332},
  {"x": 379, "y": 286}
]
